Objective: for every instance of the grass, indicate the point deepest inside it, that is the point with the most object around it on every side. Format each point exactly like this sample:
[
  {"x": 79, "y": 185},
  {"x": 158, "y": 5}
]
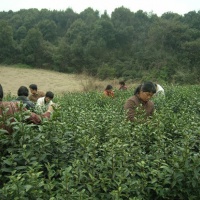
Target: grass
[{"x": 12, "y": 77}]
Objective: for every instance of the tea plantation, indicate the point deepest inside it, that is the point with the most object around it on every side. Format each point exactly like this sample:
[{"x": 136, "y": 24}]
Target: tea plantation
[{"x": 88, "y": 151}]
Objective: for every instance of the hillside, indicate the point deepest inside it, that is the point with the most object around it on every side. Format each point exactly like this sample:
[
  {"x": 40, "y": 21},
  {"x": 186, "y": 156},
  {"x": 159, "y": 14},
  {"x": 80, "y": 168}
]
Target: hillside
[{"x": 12, "y": 78}]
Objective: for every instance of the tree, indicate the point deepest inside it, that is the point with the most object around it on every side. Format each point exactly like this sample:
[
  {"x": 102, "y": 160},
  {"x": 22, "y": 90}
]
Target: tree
[
  {"x": 104, "y": 30},
  {"x": 62, "y": 57},
  {"x": 106, "y": 71},
  {"x": 192, "y": 19},
  {"x": 89, "y": 16},
  {"x": 20, "y": 33},
  {"x": 16, "y": 21},
  {"x": 63, "y": 20},
  {"x": 192, "y": 50},
  {"x": 48, "y": 29},
  {"x": 30, "y": 17},
  {"x": 77, "y": 37},
  {"x": 32, "y": 47},
  {"x": 6, "y": 42},
  {"x": 122, "y": 21},
  {"x": 171, "y": 16}
]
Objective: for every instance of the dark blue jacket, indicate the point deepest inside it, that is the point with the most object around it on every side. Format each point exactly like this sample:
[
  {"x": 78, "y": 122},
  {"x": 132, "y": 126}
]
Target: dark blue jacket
[{"x": 29, "y": 104}]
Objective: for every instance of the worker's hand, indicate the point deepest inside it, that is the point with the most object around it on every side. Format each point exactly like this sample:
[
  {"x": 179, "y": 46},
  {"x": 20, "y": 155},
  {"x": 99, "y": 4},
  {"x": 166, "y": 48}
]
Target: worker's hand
[{"x": 50, "y": 109}]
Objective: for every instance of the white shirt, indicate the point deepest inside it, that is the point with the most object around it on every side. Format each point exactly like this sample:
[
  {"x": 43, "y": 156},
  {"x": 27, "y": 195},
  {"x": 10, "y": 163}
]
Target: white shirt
[
  {"x": 42, "y": 105},
  {"x": 160, "y": 90}
]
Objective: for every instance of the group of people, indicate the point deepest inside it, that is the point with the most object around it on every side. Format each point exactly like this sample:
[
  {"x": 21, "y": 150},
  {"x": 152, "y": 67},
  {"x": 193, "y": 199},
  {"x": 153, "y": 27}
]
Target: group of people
[
  {"x": 38, "y": 103},
  {"x": 139, "y": 104},
  {"x": 109, "y": 89},
  {"x": 37, "y": 99}
]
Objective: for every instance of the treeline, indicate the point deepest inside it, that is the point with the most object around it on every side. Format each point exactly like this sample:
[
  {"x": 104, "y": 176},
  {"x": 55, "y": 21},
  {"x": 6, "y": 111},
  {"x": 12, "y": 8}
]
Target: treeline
[{"x": 125, "y": 45}]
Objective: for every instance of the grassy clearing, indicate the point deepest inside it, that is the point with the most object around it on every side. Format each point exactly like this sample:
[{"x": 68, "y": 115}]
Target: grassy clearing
[{"x": 13, "y": 77}]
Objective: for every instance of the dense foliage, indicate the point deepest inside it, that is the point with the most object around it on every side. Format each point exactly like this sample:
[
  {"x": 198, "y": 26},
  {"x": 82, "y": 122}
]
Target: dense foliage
[
  {"x": 89, "y": 151},
  {"x": 131, "y": 45}
]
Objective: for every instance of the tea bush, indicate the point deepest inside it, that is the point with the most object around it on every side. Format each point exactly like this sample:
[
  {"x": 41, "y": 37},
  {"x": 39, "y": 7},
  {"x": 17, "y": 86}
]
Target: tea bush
[{"x": 88, "y": 150}]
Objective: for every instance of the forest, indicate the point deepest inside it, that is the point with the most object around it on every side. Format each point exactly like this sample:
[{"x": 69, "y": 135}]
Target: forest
[{"x": 129, "y": 45}]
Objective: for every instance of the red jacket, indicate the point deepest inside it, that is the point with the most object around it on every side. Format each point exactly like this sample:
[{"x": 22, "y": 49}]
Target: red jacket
[{"x": 109, "y": 93}]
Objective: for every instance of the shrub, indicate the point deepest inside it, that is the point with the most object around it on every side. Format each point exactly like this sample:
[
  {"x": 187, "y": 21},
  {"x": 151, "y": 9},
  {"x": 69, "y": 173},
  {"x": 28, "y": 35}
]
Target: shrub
[
  {"x": 105, "y": 72},
  {"x": 89, "y": 151}
]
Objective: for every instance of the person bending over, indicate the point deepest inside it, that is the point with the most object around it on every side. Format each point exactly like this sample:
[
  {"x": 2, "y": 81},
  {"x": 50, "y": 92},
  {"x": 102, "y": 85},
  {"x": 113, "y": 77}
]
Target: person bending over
[
  {"x": 139, "y": 105},
  {"x": 43, "y": 103},
  {"x": 122, "y": 85},
  {"x": 109, "y": 91},
  {"x": 23, "y": 97},
  {"x": 35, "y": 93},
  {"x": 9, "y": 109}
]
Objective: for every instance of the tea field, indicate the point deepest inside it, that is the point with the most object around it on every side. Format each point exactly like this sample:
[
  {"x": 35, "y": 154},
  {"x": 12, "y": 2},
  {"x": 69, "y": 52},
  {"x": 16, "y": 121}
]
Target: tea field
[{"x": 89, "y": 151}]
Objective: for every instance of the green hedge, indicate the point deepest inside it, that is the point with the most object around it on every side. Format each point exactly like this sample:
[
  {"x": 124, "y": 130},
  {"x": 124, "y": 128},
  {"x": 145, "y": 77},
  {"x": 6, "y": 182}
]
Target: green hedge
[{"x": 89, "y": 151}]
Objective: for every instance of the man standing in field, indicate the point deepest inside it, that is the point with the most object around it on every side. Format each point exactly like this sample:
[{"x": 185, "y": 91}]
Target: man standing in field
[{"x": 35, "y": 93}]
